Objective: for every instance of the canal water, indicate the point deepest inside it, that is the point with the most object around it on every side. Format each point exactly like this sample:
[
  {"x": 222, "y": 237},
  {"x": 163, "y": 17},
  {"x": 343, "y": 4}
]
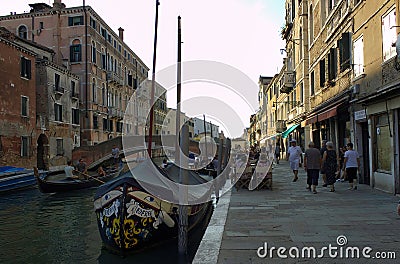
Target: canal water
[{"x": 62, "y": 228}]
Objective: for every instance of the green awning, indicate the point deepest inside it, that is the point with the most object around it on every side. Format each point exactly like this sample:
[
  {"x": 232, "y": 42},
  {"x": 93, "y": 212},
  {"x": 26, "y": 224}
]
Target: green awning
[{"x": 286, "y": 133}]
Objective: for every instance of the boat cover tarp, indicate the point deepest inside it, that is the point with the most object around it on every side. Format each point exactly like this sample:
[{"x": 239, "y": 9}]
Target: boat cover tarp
[
  {"x": 7, "y": 169},
  {"x": 164, "y": 187}
]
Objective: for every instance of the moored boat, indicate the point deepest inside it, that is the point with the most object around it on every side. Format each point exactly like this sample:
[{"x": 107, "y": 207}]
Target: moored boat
[
  {"x": 12, "y": 178},
  {"x": 57, "y": 181},
  {"x": 130, "y": 218}
]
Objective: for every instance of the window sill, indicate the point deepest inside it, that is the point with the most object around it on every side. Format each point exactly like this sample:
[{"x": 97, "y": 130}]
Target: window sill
[
  {"x": 383, "y": 172},
  {"x": 359, "y": 77},
  {"x": 25, "y": 78}
]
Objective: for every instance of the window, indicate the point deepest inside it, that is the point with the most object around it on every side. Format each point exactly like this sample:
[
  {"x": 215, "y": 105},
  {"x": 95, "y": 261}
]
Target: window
[
  {"x": 104, "y": 33},
  {"x": 103, "y": 60},
  {"x": 109, "y": 38},
  {"x": 58, "y": 112},
  {"x": 23, "y": 32},
  {"x": 301, "y": 93},
  {"x": 75, "y": 116},
  {"x": 119, "y": 48},
  {"x": 94, "y": 91},
  {"x": 110, "y": 125},
  {"x": 322, "y": 73},
  {"x": 24, "y": 146},
  {"x": 382, "y": 141},
  {"x": 93, "y": 23},
  {"x": 389, "y": 35},
  {"x": 312, "y": 89},
  {"x": 73, "y": 90},
  {"x": 26, "y": 68},
  {"x": 311, "y": 24},
  {"x": 41, "y": 25},
  {"x": 75, "y": 21},
  {"x": 24, "y": 106},
  {"x": 95, "y": 122},
  {"x": 60, "y": 147},
  {"x": 129, "y": 56},
  {"x": 105, "y": 124},
  {"x": 332, "y": 64},
  {"x": 119, "y": 127},
  {"x": 76, "y": 51},
  {"x": 125, "y": 53},
  {"x": 344, "y": 45},
  {"x": 103, "y": 94},
  {"x": 115, "y": 44},
  {"x": 358, "y": 57},
  {"x": 94, "y": 52},
  {"x": 57, "y": 82}
]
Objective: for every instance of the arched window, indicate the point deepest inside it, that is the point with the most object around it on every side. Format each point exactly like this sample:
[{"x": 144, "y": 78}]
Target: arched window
[
  {"x": 76, "y": 51},
  {"x": 103, "y": 94},
  {"x": 94, "y": 90},
  {"x": 94, "y": 52},
  {"x": 23, "y": 32}
]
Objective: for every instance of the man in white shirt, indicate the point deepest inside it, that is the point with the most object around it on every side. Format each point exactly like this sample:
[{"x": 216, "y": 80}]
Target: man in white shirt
[
  {"x": 294, "y": 156},
  {"x": 69, "y": 169}
]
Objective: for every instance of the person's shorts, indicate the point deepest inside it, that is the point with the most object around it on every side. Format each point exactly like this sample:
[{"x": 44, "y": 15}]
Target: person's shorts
[
  {"x": 294, "y": 165},
  {"x": 351, "y": 174}
]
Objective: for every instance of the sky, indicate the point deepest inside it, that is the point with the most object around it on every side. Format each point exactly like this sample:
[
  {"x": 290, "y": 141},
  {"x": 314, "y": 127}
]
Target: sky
[{"x": 243, "y": 34}]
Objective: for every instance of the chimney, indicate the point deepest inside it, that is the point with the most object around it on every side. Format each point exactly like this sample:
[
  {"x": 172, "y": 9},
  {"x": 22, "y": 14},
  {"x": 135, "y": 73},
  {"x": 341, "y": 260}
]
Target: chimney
[
  {"x": 121, "y": 33},
  {"x": 58, "y": 4}
]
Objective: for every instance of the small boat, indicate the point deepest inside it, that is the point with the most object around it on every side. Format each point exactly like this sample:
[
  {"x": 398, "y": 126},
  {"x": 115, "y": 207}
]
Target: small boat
[
  {"x": 130, "y": 218},
  {"x": 57, "y": 181},
  {"x": 13, "y": 178}
]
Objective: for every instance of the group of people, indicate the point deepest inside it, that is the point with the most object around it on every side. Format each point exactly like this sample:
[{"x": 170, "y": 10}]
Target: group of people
[
  {"x": 326, "y": 162},
  {"x": 81, "y": 169}
]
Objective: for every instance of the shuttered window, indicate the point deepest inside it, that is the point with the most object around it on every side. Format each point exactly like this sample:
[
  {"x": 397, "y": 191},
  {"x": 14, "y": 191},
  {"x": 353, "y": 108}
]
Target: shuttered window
[{"x": 344, "y": 45}]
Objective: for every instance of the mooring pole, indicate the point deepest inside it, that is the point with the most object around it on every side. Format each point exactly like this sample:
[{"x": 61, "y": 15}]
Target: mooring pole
[
  {"x": 181, "y": 152},
  {"x": 153, "y": 82}
]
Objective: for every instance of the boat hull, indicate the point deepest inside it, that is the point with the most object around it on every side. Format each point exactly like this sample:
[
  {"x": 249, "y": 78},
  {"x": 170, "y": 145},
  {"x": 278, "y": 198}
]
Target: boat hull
[
  {"x": 67, "y": 185},
  {"x": 18, "y": 181},
  {"x": 130, "y": 219}
]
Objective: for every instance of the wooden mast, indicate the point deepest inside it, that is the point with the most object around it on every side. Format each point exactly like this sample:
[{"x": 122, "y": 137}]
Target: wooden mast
[{"x": 153, "y": 83}]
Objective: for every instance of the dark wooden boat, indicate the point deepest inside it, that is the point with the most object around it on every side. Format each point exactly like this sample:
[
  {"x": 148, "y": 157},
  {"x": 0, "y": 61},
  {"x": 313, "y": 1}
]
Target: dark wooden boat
[
  {"x": 57, "y": 181},
  {"x": 130, "y": 218}
]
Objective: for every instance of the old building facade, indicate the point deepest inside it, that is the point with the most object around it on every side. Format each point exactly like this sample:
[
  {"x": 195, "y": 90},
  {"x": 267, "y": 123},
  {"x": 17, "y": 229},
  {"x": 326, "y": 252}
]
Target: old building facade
[
  {"x": 18, "y": 132},
  {"x": 109, "y": 70},
  {"x": 352, "y": 77}
]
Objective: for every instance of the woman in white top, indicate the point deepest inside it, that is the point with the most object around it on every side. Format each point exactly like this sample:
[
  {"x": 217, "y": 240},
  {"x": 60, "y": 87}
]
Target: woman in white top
[{"x": 351, "y": 165}]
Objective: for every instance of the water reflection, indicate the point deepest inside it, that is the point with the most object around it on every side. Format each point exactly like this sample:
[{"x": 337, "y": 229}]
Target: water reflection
[{"x": 62, "y": 228}]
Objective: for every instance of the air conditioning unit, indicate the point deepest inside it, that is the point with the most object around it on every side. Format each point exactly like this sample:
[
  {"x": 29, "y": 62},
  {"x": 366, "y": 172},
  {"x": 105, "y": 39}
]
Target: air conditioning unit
[{"x": 356, "y": 89}]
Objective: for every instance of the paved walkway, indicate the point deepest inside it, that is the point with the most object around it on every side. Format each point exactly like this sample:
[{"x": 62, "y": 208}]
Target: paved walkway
[{"x": 290, "y": 216}]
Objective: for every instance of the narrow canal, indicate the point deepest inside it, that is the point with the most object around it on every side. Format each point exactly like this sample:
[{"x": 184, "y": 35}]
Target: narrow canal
[{"x": 62, "y": 228}]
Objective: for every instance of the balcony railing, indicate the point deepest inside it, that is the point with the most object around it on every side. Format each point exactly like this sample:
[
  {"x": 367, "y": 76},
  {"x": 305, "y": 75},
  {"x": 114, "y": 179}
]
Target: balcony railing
[
  {"x": 113, "y": 77},
  {"x": 58, "y": 89}
]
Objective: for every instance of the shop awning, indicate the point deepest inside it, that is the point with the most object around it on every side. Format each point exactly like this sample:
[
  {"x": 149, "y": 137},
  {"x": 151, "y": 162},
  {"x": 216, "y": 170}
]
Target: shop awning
[{"x": 286, "y": 133}]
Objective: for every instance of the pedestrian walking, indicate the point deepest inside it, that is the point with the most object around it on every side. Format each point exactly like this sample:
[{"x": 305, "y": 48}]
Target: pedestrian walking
[
  {"x": 342, "y": 150},
  {"x": 277, "y": 153},
  {"x": 330, "y": 164},
  {"x": 294, "y": 157},
  {"x": 115, "y": 155},
  {"x": 312, "y": 165},
  {"x": 352, "y": 165},
  {"x": 322, "y": 150}
]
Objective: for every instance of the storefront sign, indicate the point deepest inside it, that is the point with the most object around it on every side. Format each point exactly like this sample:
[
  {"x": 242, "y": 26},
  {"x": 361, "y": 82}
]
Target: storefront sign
[{"x": 359, "y": 115}]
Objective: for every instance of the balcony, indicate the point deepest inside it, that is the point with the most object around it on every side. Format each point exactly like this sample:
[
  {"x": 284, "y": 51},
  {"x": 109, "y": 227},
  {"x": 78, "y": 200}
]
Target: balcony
[
  {"x": 113, "y": 77},
  {"x": 280, "y": 126},
  {"x": 289, "y": 81},
  {"x": 57, "y": 89},
  {"x": 75, "y": 95}
]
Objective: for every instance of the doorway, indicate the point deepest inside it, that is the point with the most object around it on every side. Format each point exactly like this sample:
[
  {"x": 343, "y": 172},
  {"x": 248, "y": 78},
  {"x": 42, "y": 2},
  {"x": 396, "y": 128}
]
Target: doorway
[
  {"x": 42, "y": 152},
  {"x": 365, "y": 153}
]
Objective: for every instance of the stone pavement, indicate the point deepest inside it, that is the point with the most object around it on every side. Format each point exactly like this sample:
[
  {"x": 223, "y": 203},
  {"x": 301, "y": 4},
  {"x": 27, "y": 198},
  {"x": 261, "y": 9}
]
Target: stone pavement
[{"x": 291, "y": 216}]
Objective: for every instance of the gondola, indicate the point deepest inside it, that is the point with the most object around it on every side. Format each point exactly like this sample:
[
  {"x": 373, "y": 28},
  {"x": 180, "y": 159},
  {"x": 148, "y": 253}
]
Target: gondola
[
  {"x": 53, "y": 182},
  {"x": 130, "y": 218}
]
